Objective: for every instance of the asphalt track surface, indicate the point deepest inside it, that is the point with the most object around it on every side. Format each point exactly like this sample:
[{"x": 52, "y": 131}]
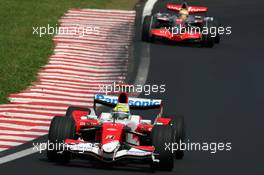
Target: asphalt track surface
[{"x": 219, "y": 90}]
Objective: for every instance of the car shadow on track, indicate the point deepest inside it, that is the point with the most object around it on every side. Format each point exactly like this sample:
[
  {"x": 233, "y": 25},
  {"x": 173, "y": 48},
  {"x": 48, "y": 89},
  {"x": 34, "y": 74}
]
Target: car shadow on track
[
  {"x": 97, "y": 165},
  {"x": 179, "y": 44}
]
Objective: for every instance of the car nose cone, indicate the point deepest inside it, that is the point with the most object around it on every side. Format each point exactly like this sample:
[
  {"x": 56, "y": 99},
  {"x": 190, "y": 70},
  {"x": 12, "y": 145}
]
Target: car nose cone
[{"x": 111, "y": 146}]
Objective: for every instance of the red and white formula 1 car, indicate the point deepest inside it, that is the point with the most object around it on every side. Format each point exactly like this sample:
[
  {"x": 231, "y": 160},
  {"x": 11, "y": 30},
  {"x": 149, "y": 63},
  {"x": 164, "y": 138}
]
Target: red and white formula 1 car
[
  {"x": 116, "y": 136},
  {"x": 184, "y": 24}
]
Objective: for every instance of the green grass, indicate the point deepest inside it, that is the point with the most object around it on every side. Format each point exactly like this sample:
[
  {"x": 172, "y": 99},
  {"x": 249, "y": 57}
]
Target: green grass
[{"x": 22, "y": 53}]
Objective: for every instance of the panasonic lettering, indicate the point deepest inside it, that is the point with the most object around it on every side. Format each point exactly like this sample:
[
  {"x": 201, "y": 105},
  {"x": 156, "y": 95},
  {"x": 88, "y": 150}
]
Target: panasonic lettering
[{"x": 140, "y": 102}]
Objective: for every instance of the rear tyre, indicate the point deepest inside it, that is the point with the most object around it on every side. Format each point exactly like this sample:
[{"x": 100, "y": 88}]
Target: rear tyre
[
  {"x": 146, "y": 30},
  {"x": 179, "y": 135},
  {"x": 179, "y": 132},
  {"x": 207, "y": 39},
  {"x": 160, "y": 136},
  {"x": 61, "y": 128},
  {"x": 217, "y": 38}
]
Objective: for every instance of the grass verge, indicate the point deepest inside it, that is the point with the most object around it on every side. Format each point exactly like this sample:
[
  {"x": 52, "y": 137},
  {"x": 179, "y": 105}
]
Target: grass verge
[{"x": 22, "y": 53}]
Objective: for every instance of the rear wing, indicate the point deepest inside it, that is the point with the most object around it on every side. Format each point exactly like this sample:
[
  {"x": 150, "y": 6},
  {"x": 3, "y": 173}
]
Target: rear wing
[
  {"x": 134, "y": 103},
  {"x": 191, "y": 9}
]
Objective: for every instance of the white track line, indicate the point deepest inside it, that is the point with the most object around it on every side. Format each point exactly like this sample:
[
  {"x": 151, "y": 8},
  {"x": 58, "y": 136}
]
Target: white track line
[{"x": 17, "y": 155}]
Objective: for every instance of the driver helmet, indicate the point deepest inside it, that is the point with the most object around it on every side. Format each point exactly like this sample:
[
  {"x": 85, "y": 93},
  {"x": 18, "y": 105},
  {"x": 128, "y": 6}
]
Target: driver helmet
[
  {"x": 121, "y": 111},
  {"x": 183, "y": 14}
]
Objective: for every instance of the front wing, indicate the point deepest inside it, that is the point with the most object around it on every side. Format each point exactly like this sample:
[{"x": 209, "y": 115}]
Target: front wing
[
  {"x": 166, "y": 34},
  {"x": 96, "y": 150}
]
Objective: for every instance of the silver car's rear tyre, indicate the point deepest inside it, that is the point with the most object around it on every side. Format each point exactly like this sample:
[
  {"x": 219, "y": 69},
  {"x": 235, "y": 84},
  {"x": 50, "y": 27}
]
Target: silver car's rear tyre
[{"x": 146, "y": 30}]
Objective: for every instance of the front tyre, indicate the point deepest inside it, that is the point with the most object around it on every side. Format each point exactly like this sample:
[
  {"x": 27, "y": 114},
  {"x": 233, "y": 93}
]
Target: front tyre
[
  {"x": 160, "y": 136},
  {"x": 61, "y": 128},
  {"x": 146, "y": 30}
]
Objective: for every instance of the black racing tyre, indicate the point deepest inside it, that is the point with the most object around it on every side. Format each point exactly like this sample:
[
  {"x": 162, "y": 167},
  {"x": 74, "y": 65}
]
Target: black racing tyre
[
  {"x": 71, "y": 109},
  {"x": 160, "y": 136},
  {"x": 179, "y": 133},
  {"x": 61, "y": 128},
  {"x": 147, "y": 26},
  {"x": 217, "y": 38},
  {"x": 207, "y": 39}
]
